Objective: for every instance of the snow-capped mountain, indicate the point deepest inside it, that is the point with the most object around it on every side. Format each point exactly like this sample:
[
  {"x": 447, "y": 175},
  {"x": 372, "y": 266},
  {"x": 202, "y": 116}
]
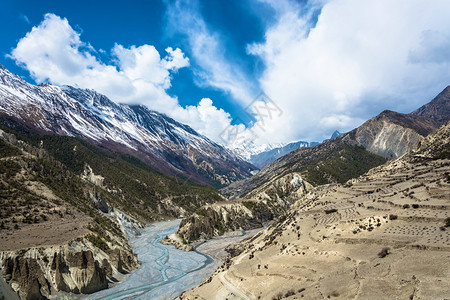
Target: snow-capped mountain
[
  {"x": 158, "y": 140},
  {"x": 251, "y": 149},
  {"x": 263, "y": 154},
  {"x": 264, "y": 158}
]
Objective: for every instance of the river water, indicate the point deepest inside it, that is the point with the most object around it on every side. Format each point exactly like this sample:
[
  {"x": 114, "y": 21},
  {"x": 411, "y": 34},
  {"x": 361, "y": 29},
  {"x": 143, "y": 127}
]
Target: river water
[{"x": 165, "y": 271}]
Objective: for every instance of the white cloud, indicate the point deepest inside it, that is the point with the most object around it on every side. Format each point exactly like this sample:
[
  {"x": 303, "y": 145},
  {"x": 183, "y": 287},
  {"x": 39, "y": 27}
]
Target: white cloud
[
  {"x": 54, "y": 52},
  {"x": 360, "y": 58},
  {"x": 208, "y": 49}
]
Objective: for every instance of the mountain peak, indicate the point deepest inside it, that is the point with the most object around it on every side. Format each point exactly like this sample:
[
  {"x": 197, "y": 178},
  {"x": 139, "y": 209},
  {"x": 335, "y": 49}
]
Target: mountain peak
[
  {"x": 335, "y": 134},
  {"x": 156, "y": 139},
  {"x": 438, "y": 108}
]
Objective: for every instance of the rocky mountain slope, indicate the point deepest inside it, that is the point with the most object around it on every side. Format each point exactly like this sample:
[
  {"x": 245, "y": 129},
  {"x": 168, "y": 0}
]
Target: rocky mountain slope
[
  {"x": 65, "y": 206},
  {"x": 154, "y": 138},
  {"x": 121, "y": 181},
  {"x": 273, "y": 190},
  {"x": 332, "y": 161},
  {"x": 389, "y": 135},
  {"x": 385, "y": 234},
  {"x": 392, "y": 134},
  {"x": 438, "y": 109},
  {"x": 265, "y": 204}
]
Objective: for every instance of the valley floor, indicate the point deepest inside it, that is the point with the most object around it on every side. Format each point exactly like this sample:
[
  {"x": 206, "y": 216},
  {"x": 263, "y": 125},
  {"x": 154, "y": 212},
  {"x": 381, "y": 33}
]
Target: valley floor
[
  {"x": 383, "y": 236},
  {"x": 166, "y": 272}
]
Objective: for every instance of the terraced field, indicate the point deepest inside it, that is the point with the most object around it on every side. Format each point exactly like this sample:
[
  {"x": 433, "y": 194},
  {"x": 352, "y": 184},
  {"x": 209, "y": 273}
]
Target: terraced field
[{"x": 385, "y": 235}]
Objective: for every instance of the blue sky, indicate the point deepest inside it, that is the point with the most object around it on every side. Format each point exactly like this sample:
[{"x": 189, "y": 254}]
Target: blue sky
[
  {"x": 326, "y": 65},
  {"x": 105, "y": 23}
]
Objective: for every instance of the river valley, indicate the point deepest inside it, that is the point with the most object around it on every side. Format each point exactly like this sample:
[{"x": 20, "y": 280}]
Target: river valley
[{"x": 165, "y": 271}]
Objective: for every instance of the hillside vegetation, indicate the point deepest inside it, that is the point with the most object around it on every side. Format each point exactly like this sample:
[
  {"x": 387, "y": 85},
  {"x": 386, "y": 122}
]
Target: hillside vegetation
[{"x": 123, "y": 181}]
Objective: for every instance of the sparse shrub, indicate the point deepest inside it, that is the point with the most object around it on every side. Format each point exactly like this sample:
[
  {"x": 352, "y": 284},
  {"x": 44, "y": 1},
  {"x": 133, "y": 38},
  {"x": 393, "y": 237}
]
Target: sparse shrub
[
  {"x": 334, "y": 294},
  {"x": 98, "y": 242},
  {"x": 289, "y": 293},
  {"x": 393, "y": 217},
  {"x": 415, "y": 206},
  {"x": 384, "y": 252},
  {"x": 330, "y": 211},
  {"x": 405, "y": 206}
]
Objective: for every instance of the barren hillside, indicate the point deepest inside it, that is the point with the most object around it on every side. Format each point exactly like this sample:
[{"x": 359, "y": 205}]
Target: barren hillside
[{"x": 383, "y": 235}]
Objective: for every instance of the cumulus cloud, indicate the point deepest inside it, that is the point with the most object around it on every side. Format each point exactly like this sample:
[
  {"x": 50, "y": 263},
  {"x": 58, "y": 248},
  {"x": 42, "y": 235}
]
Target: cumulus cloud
[
  {"x": 54, "y": 52},
  {"x": 359, "y": 58}
]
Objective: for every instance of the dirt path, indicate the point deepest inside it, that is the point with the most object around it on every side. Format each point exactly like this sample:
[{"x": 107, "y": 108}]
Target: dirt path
[{"x": 231, "y": 287}]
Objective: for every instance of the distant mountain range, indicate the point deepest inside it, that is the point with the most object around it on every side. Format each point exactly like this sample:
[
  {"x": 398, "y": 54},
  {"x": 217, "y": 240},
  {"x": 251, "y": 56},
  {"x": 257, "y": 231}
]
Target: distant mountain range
[
  {"x": 262, "y": 155},
  {"x": 264, "y": 158},
  {"x": 161, "y": 142}
]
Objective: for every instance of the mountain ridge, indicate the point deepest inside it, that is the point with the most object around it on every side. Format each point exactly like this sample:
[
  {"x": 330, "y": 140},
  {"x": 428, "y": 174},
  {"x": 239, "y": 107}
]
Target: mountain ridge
[
  {"x": 264, "y": 158},
  {"x": 158, "y": 140}
]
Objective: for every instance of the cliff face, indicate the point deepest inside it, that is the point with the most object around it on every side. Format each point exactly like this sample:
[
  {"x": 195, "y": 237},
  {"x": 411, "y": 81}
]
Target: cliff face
[
  {"x": 76, "y": 267},
  {"x": 385, "y": 138},
  {"x": 215, "y": 220},
  {"x": 392, "y": 134}
]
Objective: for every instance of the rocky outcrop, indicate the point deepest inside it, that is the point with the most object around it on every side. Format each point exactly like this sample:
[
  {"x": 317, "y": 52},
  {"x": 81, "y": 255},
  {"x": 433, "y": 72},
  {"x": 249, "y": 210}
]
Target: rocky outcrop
[
  {"x": 435, "y": 146},
  {"x": 26, "y": 276},
  {"x": 385, "y": 138},
  {"x": 391, "y": 134},
  {"x": 77, "y": 267},
  {"x": 215, "y": 220},
  {"x": 262, "y": 205}
]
